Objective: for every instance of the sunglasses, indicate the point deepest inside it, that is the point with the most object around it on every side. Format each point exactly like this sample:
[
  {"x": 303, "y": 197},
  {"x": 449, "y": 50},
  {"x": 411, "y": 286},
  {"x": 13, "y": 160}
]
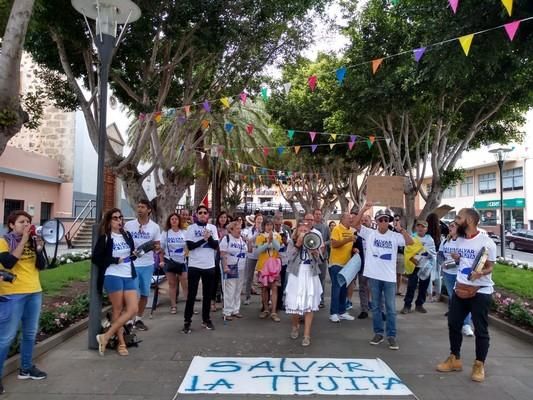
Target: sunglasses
[
  {"x": 202, "y": 212},
  {"x": 117, "y": 217},
  {"x": 383, "y": 220}
]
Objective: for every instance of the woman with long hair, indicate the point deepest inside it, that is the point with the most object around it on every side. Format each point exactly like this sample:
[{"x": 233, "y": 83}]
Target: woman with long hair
[
  {"x": 113, "y": 254},
  {"x": 434, "y": 231},
  {"x": 221, "y": 224},
  {"x": 173, "y": 263},
  {"x": 21, "y": 296}
]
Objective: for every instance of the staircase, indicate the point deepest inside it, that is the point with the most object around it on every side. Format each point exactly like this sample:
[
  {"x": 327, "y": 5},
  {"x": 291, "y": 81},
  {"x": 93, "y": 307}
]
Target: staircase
[{"x": 83, "y": 237}]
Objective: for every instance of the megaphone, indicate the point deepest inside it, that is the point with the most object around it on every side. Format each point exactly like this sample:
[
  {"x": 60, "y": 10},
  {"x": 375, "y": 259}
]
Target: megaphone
[
  {"x": 312, "y": 241},
  {"x": 52, "y": 231},
  {"x": 350, "y": 270}
]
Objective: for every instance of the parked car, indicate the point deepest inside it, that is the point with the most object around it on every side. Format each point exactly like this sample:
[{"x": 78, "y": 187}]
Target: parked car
[
  {"x": 250, "y": 207},
  {"x": 495, "y": 238},
  {"x": 520, "y": 239}
]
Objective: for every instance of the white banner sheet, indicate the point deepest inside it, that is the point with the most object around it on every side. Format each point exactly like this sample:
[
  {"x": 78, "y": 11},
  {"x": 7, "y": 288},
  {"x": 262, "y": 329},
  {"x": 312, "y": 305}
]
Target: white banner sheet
[{"x": 291, "y": 376}]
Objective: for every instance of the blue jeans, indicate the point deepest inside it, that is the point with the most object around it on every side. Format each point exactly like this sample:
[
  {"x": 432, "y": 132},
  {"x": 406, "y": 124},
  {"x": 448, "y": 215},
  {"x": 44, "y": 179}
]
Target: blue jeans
[
  {"x": 378, "y": 290},
  {"x": 14, "y": 310},
  {"x": 449, "y": 282},
  {"x": 338, "y": 293}
]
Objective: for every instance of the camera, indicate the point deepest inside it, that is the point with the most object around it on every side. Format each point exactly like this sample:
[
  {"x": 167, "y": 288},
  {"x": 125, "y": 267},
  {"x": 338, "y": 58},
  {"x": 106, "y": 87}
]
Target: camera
[{"x": 8, "y": 276}]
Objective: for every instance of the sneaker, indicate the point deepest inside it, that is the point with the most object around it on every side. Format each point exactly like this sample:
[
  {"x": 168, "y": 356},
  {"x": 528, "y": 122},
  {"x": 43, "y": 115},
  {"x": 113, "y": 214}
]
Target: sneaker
[
  {"x": 139, "y": 324},
  {"x": 334, "y": 318},
  {"x": 452, "y": 363},
  {"x": 377, "y": 339},
  {"x": 421, "y": 309},
  {"x": 405, "y": 310},
  {"x": 32, "y": 373},
  {"x": 393, "y": 344},
  {"x": 208, "y": 325},
  {"x": 349, "y": 305},
  {"x": 346, "y": 317},
  {"x": 186, "y": 328},
  {"x": 467, "y": 330},
  {"x": 363, "y": 315},
  {"x": 478, "y": 371},
  {"x": 247, "y": 301},
  {"x": 321, "y": 305}
]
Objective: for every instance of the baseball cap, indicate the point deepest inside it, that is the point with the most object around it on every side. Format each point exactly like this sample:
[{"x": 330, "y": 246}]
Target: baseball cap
[{"x": 421, "y": 222}]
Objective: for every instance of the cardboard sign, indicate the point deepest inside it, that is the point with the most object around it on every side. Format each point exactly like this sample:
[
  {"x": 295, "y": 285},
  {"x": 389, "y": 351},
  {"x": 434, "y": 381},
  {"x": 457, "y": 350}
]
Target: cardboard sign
[
  {"x": 386, "y": 191},
  {"x": 291, "y": 376}
]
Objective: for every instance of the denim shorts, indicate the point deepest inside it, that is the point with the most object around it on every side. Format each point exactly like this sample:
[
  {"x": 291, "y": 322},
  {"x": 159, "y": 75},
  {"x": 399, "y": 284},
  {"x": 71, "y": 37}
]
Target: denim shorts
[
  {"x": 114, "y": 283},
  {"x": 144, "y": 277}
]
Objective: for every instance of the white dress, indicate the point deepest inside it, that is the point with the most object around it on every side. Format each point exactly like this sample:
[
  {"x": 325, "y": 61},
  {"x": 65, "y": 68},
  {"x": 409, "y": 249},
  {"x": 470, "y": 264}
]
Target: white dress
[{"x": 302, "y": 293}]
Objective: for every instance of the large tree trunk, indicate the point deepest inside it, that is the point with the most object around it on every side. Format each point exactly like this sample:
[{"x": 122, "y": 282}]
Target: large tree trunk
[{"x": 13, "y": 116}]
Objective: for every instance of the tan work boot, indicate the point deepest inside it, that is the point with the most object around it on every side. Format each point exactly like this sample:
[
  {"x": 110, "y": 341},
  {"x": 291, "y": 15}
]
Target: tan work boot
[
  {"x": 452, "y": 363},
  {"x": 478, "y": 371}
]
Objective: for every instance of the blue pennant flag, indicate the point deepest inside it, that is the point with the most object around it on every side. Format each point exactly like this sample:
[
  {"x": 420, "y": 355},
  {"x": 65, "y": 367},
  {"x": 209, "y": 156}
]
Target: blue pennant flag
[
  {"x": 228, "y": 127},
  {"x": 341, "y": 73}
]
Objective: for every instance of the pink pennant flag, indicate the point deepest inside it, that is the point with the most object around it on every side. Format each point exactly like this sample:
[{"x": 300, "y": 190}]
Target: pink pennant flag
[
  {"x": 312, "y": 135},
  {"x": 511, "y": 29},
  {"x": 141, "y": 117},
  {"x": 265, "y": 151},
  {"x": 227, "y": 162},
  {"x": 454, "y": 4},
  {"x": 243, "y": 97},
  {"x": 312, "y": 81},
  {"x": 350, "y": 145},
  {"x": 250, "y": 129},
  {"x": 313, "y": 147}
]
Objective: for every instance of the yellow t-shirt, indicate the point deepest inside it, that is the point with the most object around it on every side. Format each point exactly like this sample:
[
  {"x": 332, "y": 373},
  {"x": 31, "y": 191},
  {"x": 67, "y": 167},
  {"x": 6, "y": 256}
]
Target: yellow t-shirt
[
  {"x": 27, "y": 280},
  {"x": 261, "y": 240},
  {"x": 341, "y": 255}
]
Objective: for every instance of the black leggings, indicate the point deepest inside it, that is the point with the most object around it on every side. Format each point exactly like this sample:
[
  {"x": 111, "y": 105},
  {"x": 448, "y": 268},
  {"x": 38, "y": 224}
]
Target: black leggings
[{"x": 193, "y": 276}]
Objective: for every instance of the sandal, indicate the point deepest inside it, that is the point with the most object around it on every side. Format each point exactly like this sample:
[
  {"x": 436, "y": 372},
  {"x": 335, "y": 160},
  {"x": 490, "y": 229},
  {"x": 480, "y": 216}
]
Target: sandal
[
  {"x": 101, "y": 344},
  {"x": 275, "y": 317},
  {"x": 306, "y": 341},
  {"x": 122, "y": 350},
  {"x": 237, "y": 315},
  {"x": 295, "y": 332},
  {"x": 227, "y": 317},
  {"x": 264, "y": 314},
  {"x": 173, "y": 310}
]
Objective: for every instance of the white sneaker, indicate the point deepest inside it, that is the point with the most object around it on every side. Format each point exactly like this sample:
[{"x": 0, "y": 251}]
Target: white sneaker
[
  {"x": 334, "y": 318},
  {"x": 347, "y": 317},
  {"x": 467, "y": 330}
]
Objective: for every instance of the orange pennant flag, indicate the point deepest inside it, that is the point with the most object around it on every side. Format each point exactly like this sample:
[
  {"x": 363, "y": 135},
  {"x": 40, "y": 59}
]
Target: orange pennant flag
[
  {"x": 466, "y": 42},
  {"x": 375, "y": 64},
  {"x": 296, "y": 149},
  {"x": 205, "y": 124}
]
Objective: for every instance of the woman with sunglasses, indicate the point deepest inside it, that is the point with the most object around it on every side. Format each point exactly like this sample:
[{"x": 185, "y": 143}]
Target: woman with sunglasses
[
  {"x": 113, "y": 254},
  {"x": 173, "y": 263}
]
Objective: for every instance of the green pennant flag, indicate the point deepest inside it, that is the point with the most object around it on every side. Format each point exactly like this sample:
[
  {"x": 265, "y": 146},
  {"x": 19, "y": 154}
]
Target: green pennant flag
[
  {"x": 264, "y": 93},
  {"x": 369, "y": 143},
  {"x": 290, "y": 133}
]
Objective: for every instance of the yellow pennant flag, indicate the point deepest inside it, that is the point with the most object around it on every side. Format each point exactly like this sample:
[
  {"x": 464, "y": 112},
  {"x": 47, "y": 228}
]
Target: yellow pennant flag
[
  {"x": 331, "y": 145},
  {"x": 466, "y": 42},
  {"x": 375, "y": 64},
  {"x": 296, "y": 149},
  {"x": 225, "y": 102},
  {"x": 508, "y": 4},
  {"x": 334, "y": 136}
]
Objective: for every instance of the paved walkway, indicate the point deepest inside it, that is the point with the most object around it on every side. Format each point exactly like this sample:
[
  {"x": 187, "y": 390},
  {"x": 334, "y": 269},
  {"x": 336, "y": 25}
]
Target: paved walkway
[{"x": 157, "y": 367}]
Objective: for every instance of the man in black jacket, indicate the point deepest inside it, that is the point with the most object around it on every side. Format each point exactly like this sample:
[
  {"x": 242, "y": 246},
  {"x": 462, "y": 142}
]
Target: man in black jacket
[{"x": 202, "y": 242}]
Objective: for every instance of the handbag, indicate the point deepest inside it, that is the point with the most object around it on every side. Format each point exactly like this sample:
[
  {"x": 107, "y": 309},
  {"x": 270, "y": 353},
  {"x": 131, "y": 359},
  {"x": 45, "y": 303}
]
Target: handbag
[
  {"x": 172, "y": 266},
  {"x": 464, "y": 291},
  {"x": 233, "y": 272}
]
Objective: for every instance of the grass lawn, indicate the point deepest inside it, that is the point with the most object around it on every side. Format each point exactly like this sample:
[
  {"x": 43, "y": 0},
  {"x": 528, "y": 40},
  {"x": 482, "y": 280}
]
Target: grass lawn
[
  {"x": 514, "y": 280},
  {"x": 53, "y": 280}
]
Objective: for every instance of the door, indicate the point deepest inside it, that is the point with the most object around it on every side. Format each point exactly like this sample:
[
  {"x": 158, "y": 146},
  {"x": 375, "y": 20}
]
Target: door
[{"x": 46, "y": 212}]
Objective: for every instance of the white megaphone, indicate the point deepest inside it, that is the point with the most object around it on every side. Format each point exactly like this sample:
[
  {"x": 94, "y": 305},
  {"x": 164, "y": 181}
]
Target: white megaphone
[
  {"x": 312, "y": 241},
  {"x": 349, "y": 271},
  {"x": 52, "y": 231}
]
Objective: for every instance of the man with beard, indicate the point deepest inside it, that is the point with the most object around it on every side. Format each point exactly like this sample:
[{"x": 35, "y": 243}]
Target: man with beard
[
  {"x": 202, "y": 242},
  {"x": 480, "y": 285}
]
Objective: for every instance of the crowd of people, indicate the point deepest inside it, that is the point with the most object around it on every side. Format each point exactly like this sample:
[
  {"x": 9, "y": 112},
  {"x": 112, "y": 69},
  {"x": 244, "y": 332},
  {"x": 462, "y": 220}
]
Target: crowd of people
[{"x": 236, "y": 257}]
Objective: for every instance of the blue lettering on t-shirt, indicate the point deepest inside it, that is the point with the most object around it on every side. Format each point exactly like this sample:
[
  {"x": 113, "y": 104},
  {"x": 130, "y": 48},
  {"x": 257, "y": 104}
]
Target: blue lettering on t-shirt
[
  {"x": 120, "y": 246},
  {"x": 384, "y": 244},
  {"x": 141, "y": 235}
]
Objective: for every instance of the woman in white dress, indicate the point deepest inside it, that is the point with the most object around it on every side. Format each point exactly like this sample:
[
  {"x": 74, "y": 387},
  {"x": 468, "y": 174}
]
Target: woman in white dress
[{"x": 303, "y": 291}]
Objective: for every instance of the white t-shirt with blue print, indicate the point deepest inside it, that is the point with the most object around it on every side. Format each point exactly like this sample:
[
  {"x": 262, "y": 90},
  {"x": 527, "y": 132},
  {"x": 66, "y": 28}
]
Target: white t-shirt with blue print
[
  {"x": 142, "y": 234},
  {"x": 173, "y": 245},
  {"x": 121, "y": 249}
]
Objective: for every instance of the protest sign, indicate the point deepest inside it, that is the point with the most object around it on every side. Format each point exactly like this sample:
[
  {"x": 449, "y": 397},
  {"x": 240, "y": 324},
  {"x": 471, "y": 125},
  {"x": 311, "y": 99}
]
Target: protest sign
[{"x": 386, "y": 191}]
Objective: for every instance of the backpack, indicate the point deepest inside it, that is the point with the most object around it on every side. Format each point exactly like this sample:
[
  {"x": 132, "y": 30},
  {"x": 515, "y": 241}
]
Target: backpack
[{"x": 129, "y": 336}]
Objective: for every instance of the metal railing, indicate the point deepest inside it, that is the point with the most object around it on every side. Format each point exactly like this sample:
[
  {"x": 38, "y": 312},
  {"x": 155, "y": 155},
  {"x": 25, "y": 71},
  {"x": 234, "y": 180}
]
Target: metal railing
[{"x": 87, "y": 212}]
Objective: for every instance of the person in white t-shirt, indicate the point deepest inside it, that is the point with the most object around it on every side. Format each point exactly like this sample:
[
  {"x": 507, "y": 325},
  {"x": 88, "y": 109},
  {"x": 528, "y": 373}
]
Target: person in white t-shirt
[
  {"x": 202, "y": 241},
  {"x": 381, "y": 250},
  {"x": 250, "y": 235},
  {"x": 143, "y": 230},
  {"x": 233, "y": 257},
  {"x": 473, "y": 291},
  {"x": 173, "y": 260}
]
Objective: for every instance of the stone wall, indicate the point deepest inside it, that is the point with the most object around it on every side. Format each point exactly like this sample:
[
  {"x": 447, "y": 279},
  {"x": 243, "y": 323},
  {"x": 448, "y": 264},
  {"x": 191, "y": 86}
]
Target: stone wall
[{"x": 55, "y": 136}]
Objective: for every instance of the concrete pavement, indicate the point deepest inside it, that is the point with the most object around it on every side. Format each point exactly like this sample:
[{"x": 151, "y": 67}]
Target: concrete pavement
[{"x": 155, "y": 369}]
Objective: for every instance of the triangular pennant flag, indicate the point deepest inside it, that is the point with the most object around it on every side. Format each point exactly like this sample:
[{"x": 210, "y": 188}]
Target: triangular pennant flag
[
  {"x": 387, "y": 141},
  {"x": 228, "y": 126},
  {"x": 352, "y": 138},
  {"x": 375, "y": 64},
  {"x": 141, "y": 117},
  {"x": 170, "y": 112},
  {"x": 264, "y": 93},
  {"x": 369, "y": 143},
  {"x": 296, "y": 149},
  {"x": 290, "y": 133},
  {"x": 205, "y": 124},
  {"x": 270, "y": 130},
  {"x": 454, "y": 4},
  {"x": 207, "y": 106},
  {"x": 157, "y": 116},
  {"x": 511, "y": 29},
  {"x": 182, "y": 119},
  {"x": 312, "y": 135},
  {"x": 418, "y": 53},
  {"x": 205, "y": 201},
  {"x": 250, "y": 129},
  {"x": 265, "y": 151},
  {"x": 312, "y": 81},
  {"x": 250, "y": 150},
  {"x": 334, "y": 136},
  {"x": 243, "y": 97},
  {"x": 350, "y": 145},
  {"x": 187, "y": 110},
  {"x": 227, "y": 162},
  {"x": 508, "y": 4},
  {"x": 287, "y": 87},
  {"x": 395, "y": 2},
  {"x": 372, "y": 139},
  {"x": 280, "y": 150},
  {"x": 254, "y": 168},
  {"x": 313, "y": 147},
  {"x": 202, "y": 155},
  {"x": 225, "y": 102},
  {"x": 466, "y": 42},
  {"x": 331, "y": 145},
  {"x": 340, "y": 74}
]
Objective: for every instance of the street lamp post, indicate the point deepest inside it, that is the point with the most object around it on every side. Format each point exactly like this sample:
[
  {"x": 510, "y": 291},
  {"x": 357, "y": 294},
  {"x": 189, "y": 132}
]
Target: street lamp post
[
  {"x": 214, "y": 184},
  {"x": 500, "y": 155},
  {"x": 108, "y": 15}
]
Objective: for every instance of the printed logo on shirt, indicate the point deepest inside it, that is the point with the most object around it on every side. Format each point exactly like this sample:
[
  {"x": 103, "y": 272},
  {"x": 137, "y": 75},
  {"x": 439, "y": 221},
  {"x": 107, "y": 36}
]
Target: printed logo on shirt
[
  {"x": 383, "y": 244},
  {"x": 120, "y": 246},
  {"x": 141, "y": 235}
]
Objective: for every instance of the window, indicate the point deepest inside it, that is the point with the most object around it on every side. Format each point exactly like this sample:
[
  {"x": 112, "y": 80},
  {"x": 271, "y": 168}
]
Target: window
[
  {"x": 513, "y": 179},
  {"x": 467, "y": 186},
  {"x": 449, "y": 192},
  {"x": 488, "y": 217},
  {"x": 46, "y": 212},
  {"x": 487, "y": 183}
]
